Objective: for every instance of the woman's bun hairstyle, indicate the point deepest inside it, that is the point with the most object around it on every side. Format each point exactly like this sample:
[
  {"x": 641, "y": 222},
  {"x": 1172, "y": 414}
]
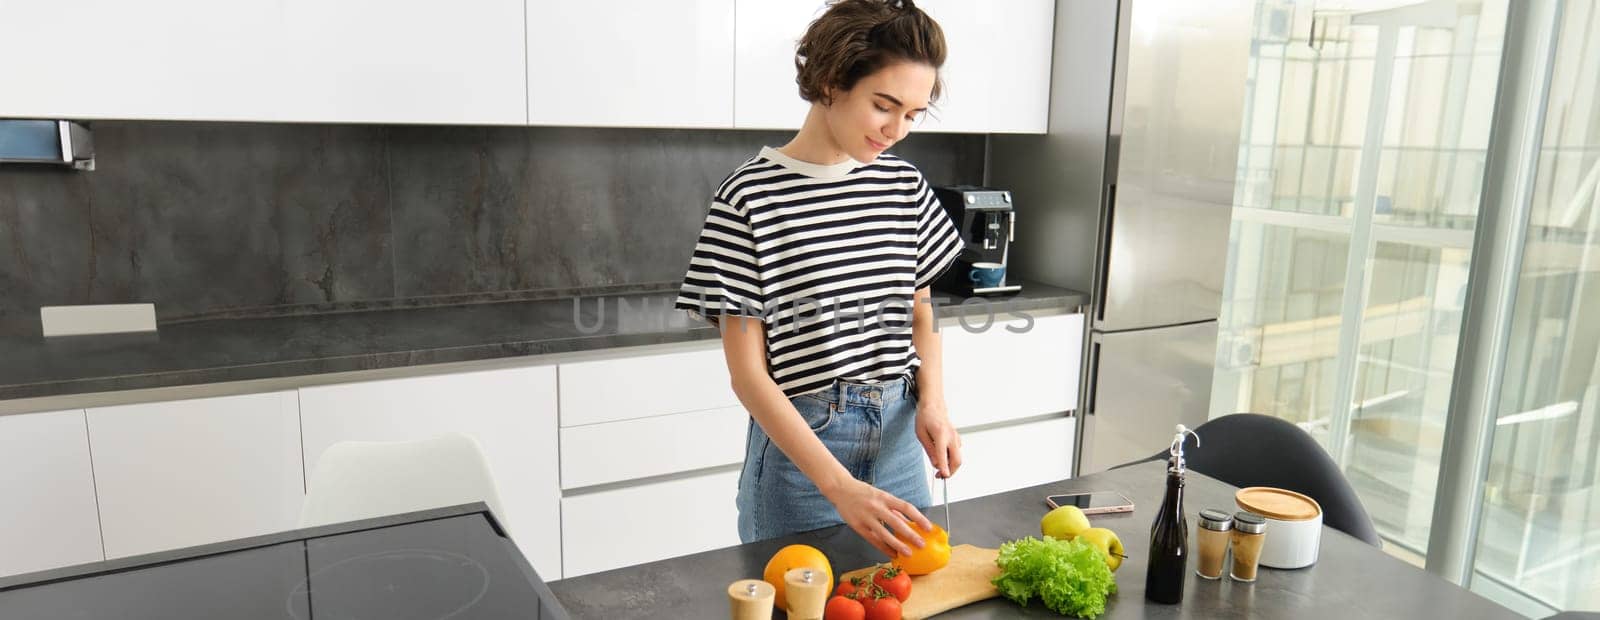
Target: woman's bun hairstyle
[{"x": 855, "y": 38}]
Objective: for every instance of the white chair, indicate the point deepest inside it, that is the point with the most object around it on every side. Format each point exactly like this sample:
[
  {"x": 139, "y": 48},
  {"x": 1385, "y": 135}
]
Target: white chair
[{"x": 364, "y": 479}]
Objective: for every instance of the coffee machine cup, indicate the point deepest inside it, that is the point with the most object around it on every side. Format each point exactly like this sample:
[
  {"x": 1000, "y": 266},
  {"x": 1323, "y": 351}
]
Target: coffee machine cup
[{"x": 987, "y": 275}]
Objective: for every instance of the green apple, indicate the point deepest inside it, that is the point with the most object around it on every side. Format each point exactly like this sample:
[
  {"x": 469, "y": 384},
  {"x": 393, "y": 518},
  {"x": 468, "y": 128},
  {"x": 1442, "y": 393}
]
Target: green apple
[
  {"x": 1064, "y": 523},
  {"x": 1107, "y": 542}
]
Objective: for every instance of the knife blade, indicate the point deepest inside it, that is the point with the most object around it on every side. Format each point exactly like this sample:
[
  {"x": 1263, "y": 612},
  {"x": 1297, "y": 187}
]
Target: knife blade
[{"x": 945, "y": 482}]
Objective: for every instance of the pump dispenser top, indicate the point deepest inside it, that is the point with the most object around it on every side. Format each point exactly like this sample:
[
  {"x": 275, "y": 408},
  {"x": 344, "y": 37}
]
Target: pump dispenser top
[{"x": 1175, "y": 451}]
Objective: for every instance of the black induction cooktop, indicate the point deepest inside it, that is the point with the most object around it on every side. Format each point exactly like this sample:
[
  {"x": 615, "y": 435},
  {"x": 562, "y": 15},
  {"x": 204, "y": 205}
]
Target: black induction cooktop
[{"x": 452, "y": 563}]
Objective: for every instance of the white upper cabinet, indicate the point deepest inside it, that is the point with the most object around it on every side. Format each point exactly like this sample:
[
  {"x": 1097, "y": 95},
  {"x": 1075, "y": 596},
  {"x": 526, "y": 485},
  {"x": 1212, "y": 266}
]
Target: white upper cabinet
[
  {"x": 168, "y": 59},
  {"x": 765, "y": 95},
  {"x": 963, "y": 106},
  {"x": 285, "y": 60},
  {"x": 631, "y": 63},
  {"x": 997, "y": 71},
  {"x": 406, "y": 61},
  {"x": 1021, "y": 38},
  {"x": 996, "y": 74}
]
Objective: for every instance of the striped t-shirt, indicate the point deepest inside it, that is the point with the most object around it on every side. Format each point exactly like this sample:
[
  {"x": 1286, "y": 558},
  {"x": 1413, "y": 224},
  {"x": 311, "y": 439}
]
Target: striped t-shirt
[{"x": 829, "y": 257}]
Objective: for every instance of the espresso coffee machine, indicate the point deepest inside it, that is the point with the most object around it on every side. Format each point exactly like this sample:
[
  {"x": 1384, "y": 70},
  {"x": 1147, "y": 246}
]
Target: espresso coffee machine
[{"x": 986, "y": 222}]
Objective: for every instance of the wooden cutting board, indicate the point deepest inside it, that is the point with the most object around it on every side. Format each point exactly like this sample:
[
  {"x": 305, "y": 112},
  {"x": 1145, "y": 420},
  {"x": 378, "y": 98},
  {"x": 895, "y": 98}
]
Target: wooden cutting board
[{"x": 965, "y": 580}]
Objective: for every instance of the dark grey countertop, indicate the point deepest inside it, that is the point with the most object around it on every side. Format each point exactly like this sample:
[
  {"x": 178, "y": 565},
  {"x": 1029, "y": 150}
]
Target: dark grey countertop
[
  {"x": 223, "y": 350},
  {"x": 1350, "y": 579}
]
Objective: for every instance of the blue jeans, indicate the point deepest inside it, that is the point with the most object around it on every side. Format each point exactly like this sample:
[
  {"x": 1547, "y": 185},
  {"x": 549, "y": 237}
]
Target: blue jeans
[{"x": 869, "y": 428}]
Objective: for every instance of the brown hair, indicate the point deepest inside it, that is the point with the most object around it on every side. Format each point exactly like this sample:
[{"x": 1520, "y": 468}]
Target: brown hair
[{"x": 855, "y": 38}]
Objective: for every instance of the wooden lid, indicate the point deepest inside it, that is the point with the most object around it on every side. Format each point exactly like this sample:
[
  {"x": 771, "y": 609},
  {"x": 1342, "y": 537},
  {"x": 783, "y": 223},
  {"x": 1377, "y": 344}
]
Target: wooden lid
[{"x": 1277, "y": 504}]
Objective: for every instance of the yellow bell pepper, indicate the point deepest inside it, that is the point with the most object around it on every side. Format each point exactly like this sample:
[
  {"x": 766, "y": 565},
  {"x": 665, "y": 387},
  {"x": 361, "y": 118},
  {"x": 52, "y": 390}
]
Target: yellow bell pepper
[{"x": 934, "y": 554}]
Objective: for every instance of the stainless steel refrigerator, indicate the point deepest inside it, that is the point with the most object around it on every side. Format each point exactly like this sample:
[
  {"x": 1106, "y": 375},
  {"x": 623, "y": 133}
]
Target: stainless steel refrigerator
[{"x": 1130, "y": 195}]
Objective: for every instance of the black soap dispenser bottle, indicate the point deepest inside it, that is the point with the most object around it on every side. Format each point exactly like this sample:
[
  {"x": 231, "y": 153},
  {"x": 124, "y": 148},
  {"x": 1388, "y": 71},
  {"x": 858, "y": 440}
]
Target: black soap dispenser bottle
[{"x": 1169, "y": 534}]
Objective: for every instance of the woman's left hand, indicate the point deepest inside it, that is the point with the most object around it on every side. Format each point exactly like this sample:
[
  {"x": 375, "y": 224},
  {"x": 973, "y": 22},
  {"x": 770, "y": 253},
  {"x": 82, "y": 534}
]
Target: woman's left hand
[{"x": 939, "y": 437}]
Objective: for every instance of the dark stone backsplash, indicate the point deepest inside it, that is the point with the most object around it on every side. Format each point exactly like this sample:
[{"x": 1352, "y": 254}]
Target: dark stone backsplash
[{"x": 228, "y": 219}]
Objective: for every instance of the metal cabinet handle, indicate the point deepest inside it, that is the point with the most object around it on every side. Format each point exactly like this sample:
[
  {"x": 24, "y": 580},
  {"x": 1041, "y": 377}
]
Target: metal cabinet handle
[
  {"x": 1094, "y": 377},
  {"x": 1105, "y": 251}
]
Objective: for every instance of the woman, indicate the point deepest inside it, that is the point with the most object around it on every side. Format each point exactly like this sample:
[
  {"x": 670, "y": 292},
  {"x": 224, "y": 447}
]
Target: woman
[{"x": 809, "y": 263}]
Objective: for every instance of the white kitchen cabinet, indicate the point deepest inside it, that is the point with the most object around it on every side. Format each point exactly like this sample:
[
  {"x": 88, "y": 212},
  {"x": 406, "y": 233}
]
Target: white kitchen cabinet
[
  {"x": 622, "y": 527},
  {"x": 767, "y": 31},
  {"x": 1005, "y": 458},
  {"x": 642, "y": 386},
  {"x": 382, "y": 61},
  {"x": 996, "y": 72},
  {"x": 995, "y": 375},
  {"x": 698, "y": 63},
  {"x": 169, "y": 59},
  {"x": 631, "y": 449},
  {"x": 633, "y": 63},
  {"x": 176, "y": 474},
  {"x": 510, "y": 412},
  {"x": 1021, "y": 39},
  {"x": 259, "y": 60},
  {"x": 997, "y": 68},
  {"x": 47, "y": 506},
  {"x": 964, "y": 104}
]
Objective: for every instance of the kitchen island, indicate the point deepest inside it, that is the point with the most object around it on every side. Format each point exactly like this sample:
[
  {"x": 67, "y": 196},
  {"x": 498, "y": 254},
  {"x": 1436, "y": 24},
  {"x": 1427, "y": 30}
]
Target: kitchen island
[{"x": 1350, "y": 580}]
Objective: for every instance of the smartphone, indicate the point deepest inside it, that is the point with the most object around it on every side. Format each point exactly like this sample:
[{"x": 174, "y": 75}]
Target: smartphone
[{"x": 1093, "y": 502}]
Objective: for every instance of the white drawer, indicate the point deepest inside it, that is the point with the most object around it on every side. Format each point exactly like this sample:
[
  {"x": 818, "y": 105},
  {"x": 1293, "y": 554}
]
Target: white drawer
[
  {"x": 996, "y": 375},
  {"x": 644, "y": 386},
  {"x": 1007, "y": 458},
  {"x": 622, "y": 527},
  {"x": 629, "y": 449}
]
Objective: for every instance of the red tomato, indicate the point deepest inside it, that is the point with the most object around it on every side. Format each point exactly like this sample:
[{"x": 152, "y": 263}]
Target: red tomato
[
  {"x": 844, "y": 608},
  {"x": 894, "y": 581},
  {"x": 884, "y": 608},
  {"x": 852, "y": 588}
]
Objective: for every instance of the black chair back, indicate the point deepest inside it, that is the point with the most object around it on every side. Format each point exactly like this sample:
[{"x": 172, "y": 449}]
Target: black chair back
[{"x": 1249, "y": 450}]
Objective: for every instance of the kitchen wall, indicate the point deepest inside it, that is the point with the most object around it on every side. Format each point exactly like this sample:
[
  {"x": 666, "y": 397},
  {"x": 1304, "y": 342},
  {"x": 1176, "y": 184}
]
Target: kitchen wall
[{"x": 234, "y": 219}]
